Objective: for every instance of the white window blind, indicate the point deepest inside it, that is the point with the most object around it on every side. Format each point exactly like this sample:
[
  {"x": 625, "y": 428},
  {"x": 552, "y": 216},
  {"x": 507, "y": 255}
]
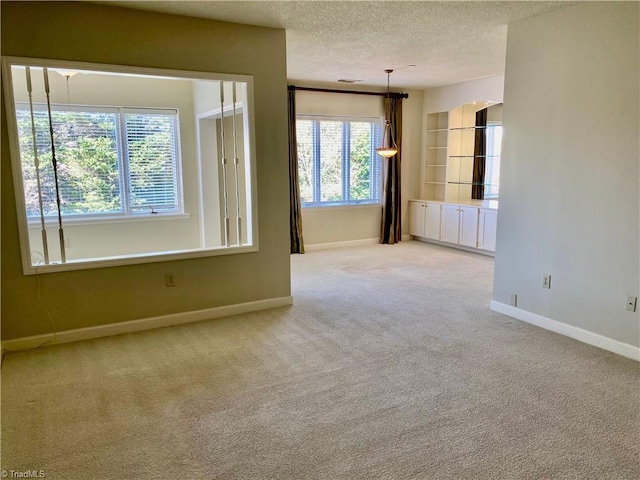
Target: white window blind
[
  {"x": 151, "y": 153},
  {"x": 337, "y": 161},
  {"x": 110, "y": 160},
  {"x": 86, "y": 146},
  {"x": 307, "y": 172}
]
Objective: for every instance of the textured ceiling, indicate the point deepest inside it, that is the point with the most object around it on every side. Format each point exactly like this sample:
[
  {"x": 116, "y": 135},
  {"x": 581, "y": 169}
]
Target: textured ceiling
[{"x": 448, "y": 42}]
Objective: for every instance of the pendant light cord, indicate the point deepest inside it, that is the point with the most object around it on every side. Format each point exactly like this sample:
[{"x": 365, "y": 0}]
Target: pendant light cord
[{"x": 387, "y": 120}]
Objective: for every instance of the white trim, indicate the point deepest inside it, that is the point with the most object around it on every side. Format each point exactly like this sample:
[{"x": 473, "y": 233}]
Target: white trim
[
  {"x": 143, "y": 324},
  {"x": 340, "y": 206},
  {"x": 576, "y": 333},
  {"x": 488, "y": 253},
  {"x": 349, "y": 243},
  {"x": 139, "y": 258},
  {"x": 216, "y": 113},
  {"x": 98, "y": 220},
  {"x": 129, "y": 70},
  {"x": 339, "y": 118}
]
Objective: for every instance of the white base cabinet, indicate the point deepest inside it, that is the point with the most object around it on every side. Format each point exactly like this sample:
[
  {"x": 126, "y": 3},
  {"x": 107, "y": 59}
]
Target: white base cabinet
[
  {"x": 459, "y": 225},
  {"x": 432, "y": 223},
  {"x": 468, "y": 235},
  {"x": 417, "y": 216},
  {"x": 487, "y": 223},
  {"x": 450, "y": 223},
  {"x": 463, "y": 225},
  {"x": 425, "y": 220}
]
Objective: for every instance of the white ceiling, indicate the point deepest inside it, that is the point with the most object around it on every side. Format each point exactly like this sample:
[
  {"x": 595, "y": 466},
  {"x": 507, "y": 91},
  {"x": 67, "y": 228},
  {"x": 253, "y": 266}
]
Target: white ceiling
[{"x": 448, "y": 42}]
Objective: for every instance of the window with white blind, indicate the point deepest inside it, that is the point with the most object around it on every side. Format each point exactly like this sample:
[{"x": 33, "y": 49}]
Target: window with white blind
[
  {"x": 110, "y": 161},
  {"x": 337, "y": 160}
]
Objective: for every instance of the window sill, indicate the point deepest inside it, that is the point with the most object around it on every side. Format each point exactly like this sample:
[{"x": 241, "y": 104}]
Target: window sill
[
  {"x": 338, "y": 206},
  {"x": 97, "y": 220},
  {"x": 140, "y": 258}
]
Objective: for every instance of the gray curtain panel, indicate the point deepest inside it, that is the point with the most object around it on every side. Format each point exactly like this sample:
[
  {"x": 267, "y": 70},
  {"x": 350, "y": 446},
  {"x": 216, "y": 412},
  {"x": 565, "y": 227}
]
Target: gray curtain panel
[
  {"x": 295, "y": 212},
  {"x": 391, "y": 228}
]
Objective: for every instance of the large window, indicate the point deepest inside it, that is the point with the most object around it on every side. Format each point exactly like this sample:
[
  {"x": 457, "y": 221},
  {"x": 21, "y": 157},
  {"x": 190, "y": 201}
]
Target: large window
[
  {"x": 115, "y": 165},
  {"x": 110, "y": 161},
  {"x": 337, "y": 161}
]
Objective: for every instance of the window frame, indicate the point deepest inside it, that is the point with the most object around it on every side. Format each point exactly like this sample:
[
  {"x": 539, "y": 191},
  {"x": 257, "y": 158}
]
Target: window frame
[
  {"x": 177, "y": 158},
  {"x": 6, "y": 64},
  {"x": 346, "y": 121},
  {"x": 491, "y": 130},
  {"x": 127, "y": 211}
]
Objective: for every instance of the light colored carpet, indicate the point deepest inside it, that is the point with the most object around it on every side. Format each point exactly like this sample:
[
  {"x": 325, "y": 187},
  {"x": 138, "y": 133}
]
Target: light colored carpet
[{"x": 389, "y": 366}]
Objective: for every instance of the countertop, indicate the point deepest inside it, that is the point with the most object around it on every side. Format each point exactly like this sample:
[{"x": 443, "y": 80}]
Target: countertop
[{"x": 490, "y": 204}]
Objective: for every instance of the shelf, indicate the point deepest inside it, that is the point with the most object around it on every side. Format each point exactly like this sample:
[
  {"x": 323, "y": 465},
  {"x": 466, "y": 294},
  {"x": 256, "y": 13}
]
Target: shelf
[
  {"x": 471, "y": 183},
  {"x": 472, "y": 156},
  {"x": 437, "y": 122},
  {"x": 433, "y": 176},
  {"x": 476, "y": 127}
]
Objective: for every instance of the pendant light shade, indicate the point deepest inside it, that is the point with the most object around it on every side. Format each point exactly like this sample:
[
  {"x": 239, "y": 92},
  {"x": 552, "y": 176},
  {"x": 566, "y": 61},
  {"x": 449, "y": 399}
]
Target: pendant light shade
[{"x": 389, "y": 147}]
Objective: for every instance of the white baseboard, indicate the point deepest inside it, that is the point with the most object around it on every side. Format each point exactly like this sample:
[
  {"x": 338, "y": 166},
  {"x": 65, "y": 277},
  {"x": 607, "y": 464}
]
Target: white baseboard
[
  {"x": 67, "y": 336},
  {"x": 576, "y": 333},
  {"x": 349, "y": 243},
  {"x": 488, "y": 253}
]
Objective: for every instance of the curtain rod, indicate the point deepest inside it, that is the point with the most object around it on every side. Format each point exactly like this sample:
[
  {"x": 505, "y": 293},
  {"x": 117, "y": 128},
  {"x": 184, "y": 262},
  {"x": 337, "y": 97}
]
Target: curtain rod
[{"x": 351, "y": 92}]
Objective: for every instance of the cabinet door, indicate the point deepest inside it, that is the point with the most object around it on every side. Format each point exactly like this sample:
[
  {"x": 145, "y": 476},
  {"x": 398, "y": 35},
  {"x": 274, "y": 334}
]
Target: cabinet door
[
  {"x": 449, "y": 223},
  {"x": 468, "y": 226},
  {"x": 487, "y": 229},
  {"x": 417, "y": 218},
  {"x": 432, "y": 221}
]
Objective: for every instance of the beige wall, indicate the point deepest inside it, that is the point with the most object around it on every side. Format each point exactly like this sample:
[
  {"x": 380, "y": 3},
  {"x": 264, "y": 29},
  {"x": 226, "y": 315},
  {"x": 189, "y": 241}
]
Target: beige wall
[
  {"x": 103, "y": 34},
  {"x": 412, "y": 128},
  {"x": 569, "y": 189},
  {"x": 448, "y": 97}
]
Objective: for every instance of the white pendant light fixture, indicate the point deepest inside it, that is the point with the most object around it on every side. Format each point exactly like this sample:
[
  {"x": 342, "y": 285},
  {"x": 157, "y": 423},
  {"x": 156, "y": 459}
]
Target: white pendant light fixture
[
  {"x": 68, "y": 74},
  {"x": 387, "y": 150}
]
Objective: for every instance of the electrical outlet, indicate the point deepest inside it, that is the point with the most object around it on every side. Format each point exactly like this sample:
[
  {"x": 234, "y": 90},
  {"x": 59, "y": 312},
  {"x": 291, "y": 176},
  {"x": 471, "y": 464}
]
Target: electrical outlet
[
  {"x": 514, "y": 299},
  {"x": 631, "y": 303},
  {"x": 546, "y": 280},
  {"x": 169, "y": 280}
]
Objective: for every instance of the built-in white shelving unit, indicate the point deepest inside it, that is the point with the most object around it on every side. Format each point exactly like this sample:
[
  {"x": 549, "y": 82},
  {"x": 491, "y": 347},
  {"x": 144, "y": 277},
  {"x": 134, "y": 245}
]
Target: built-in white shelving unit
[
  {"x": 448, "y": 169},
  {"x": 445, "y": 213},
  {"x": 434, "y": 171},
  {"x": 462, "y": 136}
]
